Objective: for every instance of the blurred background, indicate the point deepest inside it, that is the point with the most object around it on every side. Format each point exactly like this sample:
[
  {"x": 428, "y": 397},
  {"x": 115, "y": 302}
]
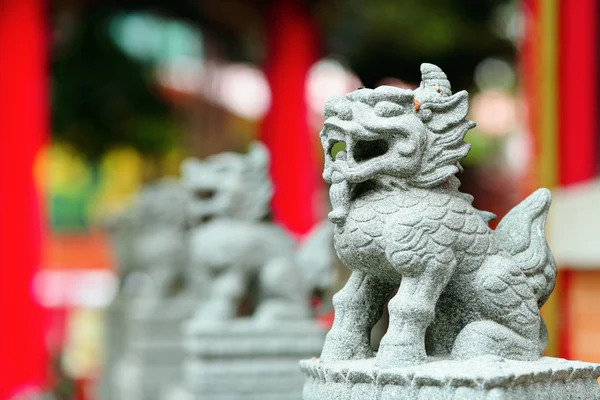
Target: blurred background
[{"x": 98, "y": 98}]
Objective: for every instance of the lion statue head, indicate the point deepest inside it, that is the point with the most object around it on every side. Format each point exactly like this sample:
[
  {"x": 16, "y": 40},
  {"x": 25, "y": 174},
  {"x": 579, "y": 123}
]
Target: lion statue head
[
  {"x": 399, "y": 137},
  {"x": 229, "y": 185}
]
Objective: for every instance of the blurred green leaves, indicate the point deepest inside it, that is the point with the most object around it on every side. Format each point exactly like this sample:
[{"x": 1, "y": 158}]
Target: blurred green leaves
[
  {"x": 101, "y": 98},
  {"x": 483, "y": 148},
  {"x": 390, "y": 38}
]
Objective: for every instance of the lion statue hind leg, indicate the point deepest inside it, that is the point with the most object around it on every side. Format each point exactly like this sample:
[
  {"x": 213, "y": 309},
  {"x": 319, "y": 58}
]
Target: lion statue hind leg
[{"x": 513, "y": 326}]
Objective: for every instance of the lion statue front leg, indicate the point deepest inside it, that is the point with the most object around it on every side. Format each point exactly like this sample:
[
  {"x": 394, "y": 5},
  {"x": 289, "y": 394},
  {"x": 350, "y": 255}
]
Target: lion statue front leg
[
  {"x": 358, "y": 307},
  {"x": 412, "y": 309}
]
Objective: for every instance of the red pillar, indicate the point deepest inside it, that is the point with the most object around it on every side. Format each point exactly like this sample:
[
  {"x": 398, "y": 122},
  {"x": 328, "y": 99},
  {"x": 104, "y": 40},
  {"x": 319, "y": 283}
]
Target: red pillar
[
  {"x": 23, "y": 127},
  {"x": 578, "y": 91},
  {"x": 578, "y": 117},
  {"x": 292, "y": 49}
]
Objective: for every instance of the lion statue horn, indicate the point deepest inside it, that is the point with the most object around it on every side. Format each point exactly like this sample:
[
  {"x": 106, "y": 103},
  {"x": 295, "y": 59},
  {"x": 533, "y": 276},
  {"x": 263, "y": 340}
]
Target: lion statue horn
[{"x": 432, "y": 76}]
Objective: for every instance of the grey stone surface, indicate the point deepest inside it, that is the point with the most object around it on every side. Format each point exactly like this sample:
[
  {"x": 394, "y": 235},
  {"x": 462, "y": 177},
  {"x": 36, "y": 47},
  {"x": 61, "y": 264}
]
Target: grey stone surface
[
  {"x": 463, "y": 289},
  {"x": 231, "y": 254},
  {"x": 144, "y": 339},
  {"x": 320, "y": 266},
  {"x": 442, "y": 379},
  {"x": 152, "y": 359},
  {"x": 230, "y": 185},
  {"x": 120, "y": 230},
  {"x": 159, "y": 250},
  {"x": 239, "y": 257},
  {"x": 247, "y": 359},
  {"x": 316, "y": 257},
  {"x": 236, "y": 253}
]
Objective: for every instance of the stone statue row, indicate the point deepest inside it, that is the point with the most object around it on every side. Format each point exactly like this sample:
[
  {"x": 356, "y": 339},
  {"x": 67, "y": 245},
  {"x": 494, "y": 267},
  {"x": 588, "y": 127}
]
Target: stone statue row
[
  {"x": 463, "y": 299},
  {"x": 202, "y": 251}
]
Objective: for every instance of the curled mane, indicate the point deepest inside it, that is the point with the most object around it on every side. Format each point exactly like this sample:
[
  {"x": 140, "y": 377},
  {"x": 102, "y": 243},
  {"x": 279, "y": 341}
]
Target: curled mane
[
  {"x": 444, "y": 114},
  {"x": 370, "y": 114}
]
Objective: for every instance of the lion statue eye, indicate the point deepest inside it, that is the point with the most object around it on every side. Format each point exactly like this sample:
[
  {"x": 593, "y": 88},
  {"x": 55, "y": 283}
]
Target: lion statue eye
[{"x": 388, "y": 109}]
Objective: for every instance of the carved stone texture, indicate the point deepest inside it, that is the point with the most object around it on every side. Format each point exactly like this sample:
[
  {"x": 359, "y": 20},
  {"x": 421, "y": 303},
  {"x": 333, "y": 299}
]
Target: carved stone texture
[
  {"x": 482, "y": 378},
  {"x": 230, "y": 254},
  {"x": 463, "y": 289},
  {"x": 120, "y": 230},
  {"x": 320, "y": 266},
  {"x": 316, "y": 257}
]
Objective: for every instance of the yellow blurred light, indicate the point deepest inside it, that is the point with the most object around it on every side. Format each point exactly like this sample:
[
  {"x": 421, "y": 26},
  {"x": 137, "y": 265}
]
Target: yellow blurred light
[
  {"x": 120, "y": 177},
  {"x": 61, "y": 169}
]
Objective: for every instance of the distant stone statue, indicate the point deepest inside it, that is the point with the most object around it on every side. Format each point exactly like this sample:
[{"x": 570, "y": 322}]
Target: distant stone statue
[
  {"x": 231, "y": 185},
  {"x": 401, "y": 224},
  {"x": 236, "y": 252},
  {"x": 144, "y": 335},
  {"x": 159, "y": 246},
  {"x": 254, "y": 320}
]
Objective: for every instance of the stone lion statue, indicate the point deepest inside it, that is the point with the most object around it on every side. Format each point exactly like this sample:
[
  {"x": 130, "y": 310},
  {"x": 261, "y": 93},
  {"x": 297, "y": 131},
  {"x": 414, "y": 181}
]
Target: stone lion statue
[{"x": 463, "y": 289}]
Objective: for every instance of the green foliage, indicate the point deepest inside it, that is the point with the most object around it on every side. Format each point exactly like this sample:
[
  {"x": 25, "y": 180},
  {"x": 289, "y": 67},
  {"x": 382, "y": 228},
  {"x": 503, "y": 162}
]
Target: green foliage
[
  {"x": 102, "y": 98},
  {"x": 390, "y": 38},
  {"x": 483, "y": 148}
]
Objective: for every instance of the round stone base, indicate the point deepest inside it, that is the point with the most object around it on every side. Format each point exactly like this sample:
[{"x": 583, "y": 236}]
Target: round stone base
[{"x": 442, "y": 379}]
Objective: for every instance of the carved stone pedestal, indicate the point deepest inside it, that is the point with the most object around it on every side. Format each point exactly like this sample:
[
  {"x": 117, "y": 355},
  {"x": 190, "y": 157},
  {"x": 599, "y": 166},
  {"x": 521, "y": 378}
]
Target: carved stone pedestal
[
  {"x": 114, "y": 345},
  {"x": 152, "y": 360},
  {"x": 247, "y": 359},
  {"x": 481, "y": 378}
]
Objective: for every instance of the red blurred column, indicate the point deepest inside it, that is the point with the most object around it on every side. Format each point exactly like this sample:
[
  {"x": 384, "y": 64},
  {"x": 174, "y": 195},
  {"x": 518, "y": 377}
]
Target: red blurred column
[
  {"x": 578, "y": 117},
  {"x": 578, "y": 85},
  {"x": 23, "y": 127},
  {"x": 292, "y": 50}
]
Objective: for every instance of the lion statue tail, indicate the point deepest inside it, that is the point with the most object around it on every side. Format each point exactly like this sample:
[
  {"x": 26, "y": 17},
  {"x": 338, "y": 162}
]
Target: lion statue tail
[{"x": 521, "y": 234}]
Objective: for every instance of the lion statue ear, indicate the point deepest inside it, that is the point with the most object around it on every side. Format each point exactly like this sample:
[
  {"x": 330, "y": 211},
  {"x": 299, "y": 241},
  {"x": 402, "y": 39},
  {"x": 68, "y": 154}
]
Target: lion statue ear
[
  {"x": 448, "y": 112},
  {"x": 444, "y": 114},
  {"x": 439, "y": 108}
]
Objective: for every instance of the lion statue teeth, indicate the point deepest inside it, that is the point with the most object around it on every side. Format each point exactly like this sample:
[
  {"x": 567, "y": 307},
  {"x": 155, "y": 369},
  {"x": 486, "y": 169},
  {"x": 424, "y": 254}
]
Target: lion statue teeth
[{"x": 463, "y": 289}]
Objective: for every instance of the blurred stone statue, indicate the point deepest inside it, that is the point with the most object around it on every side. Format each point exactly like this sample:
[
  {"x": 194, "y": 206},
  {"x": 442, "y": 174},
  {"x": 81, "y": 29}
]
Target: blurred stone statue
[
  {"x": 236, "y": 252},
  {"x": 150, "y": 243},
  {"x": 254, "y": 320},
  {"x": 458, "y": 289},
  {"x": 228, "y": 185},
  {"x": 159, "y": 247},
  {"x": 144, "y": 335},
  {"x": 316, "y": 258}
]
